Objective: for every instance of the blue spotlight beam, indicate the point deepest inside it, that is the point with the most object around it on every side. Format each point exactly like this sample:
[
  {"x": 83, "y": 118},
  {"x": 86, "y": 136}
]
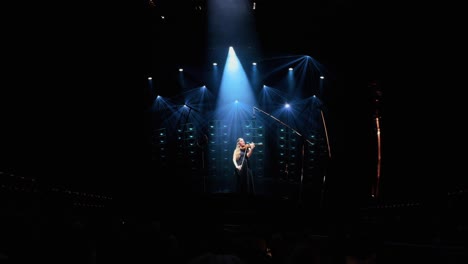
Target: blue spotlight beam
[
  {"x": 191, "y": 108},
  {"x": 281, "y": 122}
]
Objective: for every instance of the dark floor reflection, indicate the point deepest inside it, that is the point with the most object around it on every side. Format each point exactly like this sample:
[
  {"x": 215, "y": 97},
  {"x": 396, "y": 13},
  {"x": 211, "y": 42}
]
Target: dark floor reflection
[{"x": 226, "y": 228}]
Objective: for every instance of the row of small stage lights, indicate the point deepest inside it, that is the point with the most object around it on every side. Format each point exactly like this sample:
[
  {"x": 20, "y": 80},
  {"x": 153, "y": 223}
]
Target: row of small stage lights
[{"x": 20, "y": 184}]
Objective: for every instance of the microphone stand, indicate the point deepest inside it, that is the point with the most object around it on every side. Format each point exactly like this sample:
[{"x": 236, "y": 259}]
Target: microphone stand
[
  {"x": 302, "y": 151},
  {"x": 184, "y": 131},
  {"x": 329, "y": 158}
]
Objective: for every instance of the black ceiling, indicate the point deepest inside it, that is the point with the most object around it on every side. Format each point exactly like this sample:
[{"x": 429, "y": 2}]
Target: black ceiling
[{"x": 336, "y": 33}]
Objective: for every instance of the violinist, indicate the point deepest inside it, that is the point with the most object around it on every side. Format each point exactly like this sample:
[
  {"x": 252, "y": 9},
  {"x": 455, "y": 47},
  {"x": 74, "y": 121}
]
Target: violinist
[{"x": 243, "y": 172}]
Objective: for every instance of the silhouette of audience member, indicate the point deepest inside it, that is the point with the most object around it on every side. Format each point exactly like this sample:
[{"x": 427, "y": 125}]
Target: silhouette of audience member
[
  {"x": 210, "y": 258},
  {"x": 306, "y": 254},
  {"x": 150, "y": 243}
]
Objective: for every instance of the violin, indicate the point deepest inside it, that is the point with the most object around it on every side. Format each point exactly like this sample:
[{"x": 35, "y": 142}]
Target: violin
[{"x": 246, "y": 146}]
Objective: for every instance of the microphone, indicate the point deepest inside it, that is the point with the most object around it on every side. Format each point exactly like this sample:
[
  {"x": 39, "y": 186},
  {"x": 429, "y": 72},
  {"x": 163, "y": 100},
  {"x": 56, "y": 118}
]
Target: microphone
[{"x": 253, "y": 112}]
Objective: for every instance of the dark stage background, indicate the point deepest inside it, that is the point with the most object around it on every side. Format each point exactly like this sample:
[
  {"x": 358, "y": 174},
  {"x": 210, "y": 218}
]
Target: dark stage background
[{"x": 78, "y": 178}]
